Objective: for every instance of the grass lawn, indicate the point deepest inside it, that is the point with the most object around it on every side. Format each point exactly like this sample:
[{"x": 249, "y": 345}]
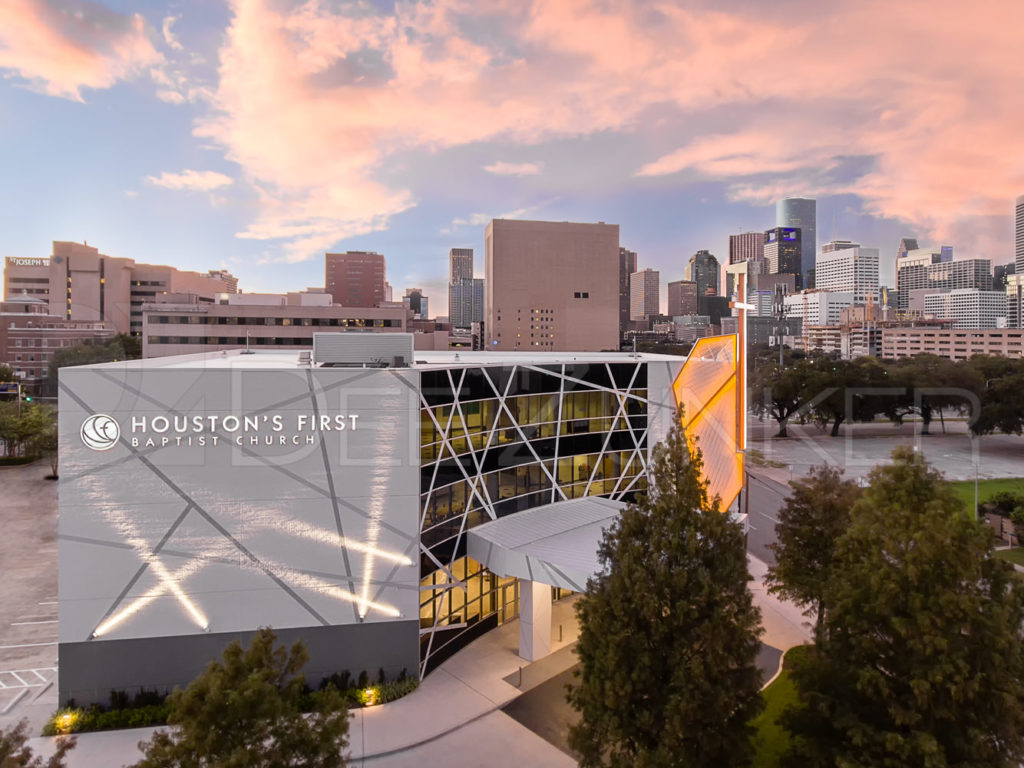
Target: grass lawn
[
  {"x": 987, "y": 489},
  {"x": 1015, "y": 555},
  {"x": 771, "y": 740}
]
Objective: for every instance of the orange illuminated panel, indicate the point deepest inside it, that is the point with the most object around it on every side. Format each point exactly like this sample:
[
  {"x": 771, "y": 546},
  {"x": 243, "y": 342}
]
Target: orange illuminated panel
[
  {"x": 711, "y": 363},
  {"x": 709, "y": 392}
]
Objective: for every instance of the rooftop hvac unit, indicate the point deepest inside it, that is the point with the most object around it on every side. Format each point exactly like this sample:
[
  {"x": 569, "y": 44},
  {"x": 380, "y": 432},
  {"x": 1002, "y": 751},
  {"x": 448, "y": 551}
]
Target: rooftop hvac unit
[{"x": 354, "y": 350}]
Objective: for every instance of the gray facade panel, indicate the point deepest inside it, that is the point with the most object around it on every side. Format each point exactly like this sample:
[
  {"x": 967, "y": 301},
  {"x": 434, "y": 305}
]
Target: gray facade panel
[
  {"x": 90, "y": 671},
  {"x": 196, "y": 502}
]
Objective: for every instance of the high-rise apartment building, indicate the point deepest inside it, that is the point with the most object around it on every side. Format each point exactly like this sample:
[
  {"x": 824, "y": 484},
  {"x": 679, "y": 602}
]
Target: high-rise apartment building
[
  {"x": 355, "y": 278},
  {"x": 746, "y": 246},
  {"x": 83, "y": 285},
  {"x": 1015, "y": 301},
  {"x": 1019, "y": 236},
  {"x": 847, "y": 267},
  {"x": 465, "y": 293},
  {"x": 627, "y": 266},
  {"x": 460, "y": 264},
  {"x": 705, "y": 272},
  {"x": 922, "y": 273},
  {"x": 818, "y": 307},
  {"x": 682, "y": 298},
  {"x": 466, "y": 303},
  {"x": 783, "y": 252},
  {"x": 551, "y": 286},
  {"x": 968, "y": 307},
  {"x": 644, "y": 294},
  {"x": 801, "y": 213}
]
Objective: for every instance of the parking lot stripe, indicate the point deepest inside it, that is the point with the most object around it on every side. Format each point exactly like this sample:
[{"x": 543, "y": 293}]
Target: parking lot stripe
[{"x": 25, "y": 645}]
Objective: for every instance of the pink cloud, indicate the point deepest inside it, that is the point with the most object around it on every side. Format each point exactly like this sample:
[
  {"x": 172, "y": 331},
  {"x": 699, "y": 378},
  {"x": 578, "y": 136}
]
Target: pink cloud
[
  {"x": 313, "y": 104},
  {"x": 61, "y": 48}
]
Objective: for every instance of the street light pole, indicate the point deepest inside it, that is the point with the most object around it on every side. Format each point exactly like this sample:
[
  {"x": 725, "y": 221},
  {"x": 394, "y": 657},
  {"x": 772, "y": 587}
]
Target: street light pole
[{"x": 975, "y": 441}]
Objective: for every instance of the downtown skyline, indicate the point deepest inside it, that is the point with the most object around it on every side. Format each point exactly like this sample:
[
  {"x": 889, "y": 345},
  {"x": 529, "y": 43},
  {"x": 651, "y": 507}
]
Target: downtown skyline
[{"x": 258, "y": 136}]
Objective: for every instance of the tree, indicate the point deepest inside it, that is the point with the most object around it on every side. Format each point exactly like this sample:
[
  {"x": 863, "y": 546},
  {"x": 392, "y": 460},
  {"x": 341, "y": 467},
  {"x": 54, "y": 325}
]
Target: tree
[
  {"x": 668, "y": 630},
  {"x": 14, "y": 752},
  {"x": 22, "y": 426},
  {"x": 1002, "y": 398},
  {"x": 245, "y": 711},
  {"x": 931, "y": 384},
  {"x": 782, "y": 391},
  {"x": 812, "y": 520},
  {"x": 921, "y": 660},
  {"x": 7, "y": 373},
  {"x": 120, "y": 347}
]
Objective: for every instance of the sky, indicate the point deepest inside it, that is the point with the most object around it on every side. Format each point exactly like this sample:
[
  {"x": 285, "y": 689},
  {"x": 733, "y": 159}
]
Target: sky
[{"x": 255, "y": 135}]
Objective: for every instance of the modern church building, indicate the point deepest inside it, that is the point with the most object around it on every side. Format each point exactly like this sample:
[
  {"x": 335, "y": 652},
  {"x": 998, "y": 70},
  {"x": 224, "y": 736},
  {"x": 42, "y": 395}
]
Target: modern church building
[{"x": 386, "y": 506}]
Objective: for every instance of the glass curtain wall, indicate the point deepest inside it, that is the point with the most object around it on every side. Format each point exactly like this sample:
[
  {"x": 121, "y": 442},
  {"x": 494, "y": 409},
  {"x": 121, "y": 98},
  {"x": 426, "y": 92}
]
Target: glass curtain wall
[{"x": 498, "y": 440}]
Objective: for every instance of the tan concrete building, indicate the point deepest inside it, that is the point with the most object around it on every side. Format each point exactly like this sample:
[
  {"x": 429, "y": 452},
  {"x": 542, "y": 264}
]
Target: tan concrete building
[
  {"x": 264, "y": 321},
  {"x": 83, "y": 285},
  {"x": 955, "y": 344},
  {"x": 645, "y": 294},
  {"x": 551, "y": 286}
]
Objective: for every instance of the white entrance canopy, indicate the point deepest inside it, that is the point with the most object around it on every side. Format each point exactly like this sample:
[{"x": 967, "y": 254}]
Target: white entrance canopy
[{"x": 554, "y": 544}]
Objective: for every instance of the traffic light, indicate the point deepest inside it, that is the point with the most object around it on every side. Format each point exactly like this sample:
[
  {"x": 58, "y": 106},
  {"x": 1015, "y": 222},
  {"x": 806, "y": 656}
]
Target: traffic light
[{"x": 28, "y": 398}]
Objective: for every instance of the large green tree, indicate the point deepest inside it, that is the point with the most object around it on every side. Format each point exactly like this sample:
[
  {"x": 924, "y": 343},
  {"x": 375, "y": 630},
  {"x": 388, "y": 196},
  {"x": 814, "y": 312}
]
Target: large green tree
[
  {"x": 668, "y": 631},
  {"x": 814, "y": 517},
  {"x": 246, "y": 711},
  {"x": 15, "y": 752},
  {"x": 25, "y": 428},
  {"x": 119, "y": 347},
  {"x": 782, "y": 391},
  {"x": 922, "y": 661}
]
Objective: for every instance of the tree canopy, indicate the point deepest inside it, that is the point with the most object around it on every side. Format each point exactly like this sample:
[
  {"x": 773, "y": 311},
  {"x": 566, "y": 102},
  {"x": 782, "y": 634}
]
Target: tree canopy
[
  {"x": 921, "y": 662},
  {"x": 668, "y": 631},
  {"x": 813, "y": 518},
  {"x": 120, "y": 347},
  {"x": 246, "y": 711},
  {"x": 829, "y": 391},
  {"x": 15, "y": 752}
]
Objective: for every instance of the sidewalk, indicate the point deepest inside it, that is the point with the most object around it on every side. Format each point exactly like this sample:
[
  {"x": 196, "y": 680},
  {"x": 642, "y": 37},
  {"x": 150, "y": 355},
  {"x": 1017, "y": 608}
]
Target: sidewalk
[{"x": 455, "y": 713}]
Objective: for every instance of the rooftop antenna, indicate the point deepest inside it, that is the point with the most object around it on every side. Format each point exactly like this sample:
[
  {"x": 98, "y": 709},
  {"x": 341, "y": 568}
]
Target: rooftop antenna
[{"x": 247, "y": 351}]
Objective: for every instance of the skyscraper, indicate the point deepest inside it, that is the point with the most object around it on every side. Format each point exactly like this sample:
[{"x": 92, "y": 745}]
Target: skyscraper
[
  {"x": 745, "y": 246},
  {"x": 551, "y": 286},
  {"x": 1019, "y": 237},
  {"x": 783, "y": 252},
  {"x": 465, "y": 293},
  {"x": 416, "y": 302},
  {"x": 460, "y": 264},
  {"x": 848, "y": 267},
  {"x": 704, "y": 271},
  {"x": 627, "y": 266},
  {"x": 355, "y": 278},
  {"x": 682, "y": 298},
  {"x": 644, "y": 293},
  {"x": 801, "y": 213},
  {"x": 466, "y": 302}
]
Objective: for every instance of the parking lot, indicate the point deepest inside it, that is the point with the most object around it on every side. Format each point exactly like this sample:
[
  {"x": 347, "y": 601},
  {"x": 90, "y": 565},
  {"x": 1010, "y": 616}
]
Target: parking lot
[{"x": 28, "y": 599}]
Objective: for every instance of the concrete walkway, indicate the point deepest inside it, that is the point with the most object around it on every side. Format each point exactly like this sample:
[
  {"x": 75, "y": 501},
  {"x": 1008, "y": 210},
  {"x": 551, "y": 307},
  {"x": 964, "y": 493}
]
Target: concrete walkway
[{"x": 455, "y": 715}]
